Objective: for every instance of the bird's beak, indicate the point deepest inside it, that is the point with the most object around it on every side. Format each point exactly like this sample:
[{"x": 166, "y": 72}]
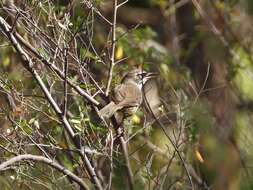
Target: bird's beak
[{"x": 151, "y": 75}]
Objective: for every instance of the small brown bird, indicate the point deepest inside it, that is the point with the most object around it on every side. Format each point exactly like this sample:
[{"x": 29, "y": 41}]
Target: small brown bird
[{"x": 128, "y": 95}]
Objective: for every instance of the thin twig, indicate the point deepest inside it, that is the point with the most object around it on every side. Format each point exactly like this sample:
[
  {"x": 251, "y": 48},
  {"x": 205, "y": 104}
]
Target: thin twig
[
  {"x": 121, "y": 4},
  {"x": 215, "y": 30},
  {"x": 128, "y": 165},
  {"x": 28, "y": 64},
  {"x": 174, "y": 34},
  {"x": 78, "y": 89},
  {"x": 170, "y": 140},
  {"x": 50, "y": 65},
  {"x": 109, "y": 81},
  {"x": 65, "y": 82},
  {"x": 113, "y": 45},
  {"x": 47, "y": 161},
  {"x": 204, "y": 84},
  {"x": 89, "y": 5},
  {"x": 31, "y": 139},
  {"x": 123, "y": 145},
  {"x": 59, "y": 49},
  {"x": 111, "y": 160}
]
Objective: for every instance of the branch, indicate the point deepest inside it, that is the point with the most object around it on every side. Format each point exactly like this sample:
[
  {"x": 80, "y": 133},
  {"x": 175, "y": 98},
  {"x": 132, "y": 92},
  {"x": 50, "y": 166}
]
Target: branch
[
  {"x": 128, "y": 165},
  {"x": 109, "y": 81},
  {"x": 113, "y": 45},
  {"x": 28, "y": 64},
  {"x": 118, "y": 128},
  {"x": 89, "y": 5},
  {"x": 28, "y": 46},
  {"x": 47, "y": 161},
  {"x": 170, "y": 140},
  {"x": 65, "y": 103},
  {"x": 215, "y": 30}
]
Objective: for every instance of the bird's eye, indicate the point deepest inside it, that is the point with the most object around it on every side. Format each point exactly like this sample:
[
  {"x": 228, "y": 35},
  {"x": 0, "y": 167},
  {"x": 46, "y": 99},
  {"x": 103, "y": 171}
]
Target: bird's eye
[{"x": 140, "y": 75}]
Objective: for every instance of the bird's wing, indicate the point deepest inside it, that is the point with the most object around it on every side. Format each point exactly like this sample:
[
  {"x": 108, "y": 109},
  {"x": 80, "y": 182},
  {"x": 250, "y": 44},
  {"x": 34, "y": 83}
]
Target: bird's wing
[
  {"x": 127, "y": 95},
  {"x": 124, "y": 95},
  {"x": 118, "y": 94}
]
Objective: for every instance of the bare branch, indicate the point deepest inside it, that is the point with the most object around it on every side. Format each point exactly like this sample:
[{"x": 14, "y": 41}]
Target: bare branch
[
  {"x": 215, "y": 30},
  {"x": 28, "y": 64},
  {"x": 50, "y": 65},
  {"x": 65, "y": 103},
  {"x": 121, "y": 4},
  {"x": 170, "y": 140},
  {"x": 47, "y": 161},
  {"x": 91, "y": 6},
  {"x": 113, "y": 45}
]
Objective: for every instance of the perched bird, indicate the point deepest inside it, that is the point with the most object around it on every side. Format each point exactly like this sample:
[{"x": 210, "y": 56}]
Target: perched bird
[{"x": 127, "y": 96}]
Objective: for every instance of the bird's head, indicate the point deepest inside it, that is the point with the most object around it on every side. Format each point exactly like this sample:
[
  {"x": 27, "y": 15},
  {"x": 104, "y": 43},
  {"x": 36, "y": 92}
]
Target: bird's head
[{"x": 138, "y": 76}]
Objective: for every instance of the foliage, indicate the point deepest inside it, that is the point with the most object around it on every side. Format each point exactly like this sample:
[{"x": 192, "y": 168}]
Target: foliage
[{"x": 193, "y": 130}]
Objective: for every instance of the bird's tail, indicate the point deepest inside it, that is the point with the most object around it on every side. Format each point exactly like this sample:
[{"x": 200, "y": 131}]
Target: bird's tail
[{"x": 108, "y": 110}]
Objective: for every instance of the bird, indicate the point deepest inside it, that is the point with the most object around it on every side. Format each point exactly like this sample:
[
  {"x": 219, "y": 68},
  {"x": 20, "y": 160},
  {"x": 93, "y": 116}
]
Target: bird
[{"x": 127, "y": 96}]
